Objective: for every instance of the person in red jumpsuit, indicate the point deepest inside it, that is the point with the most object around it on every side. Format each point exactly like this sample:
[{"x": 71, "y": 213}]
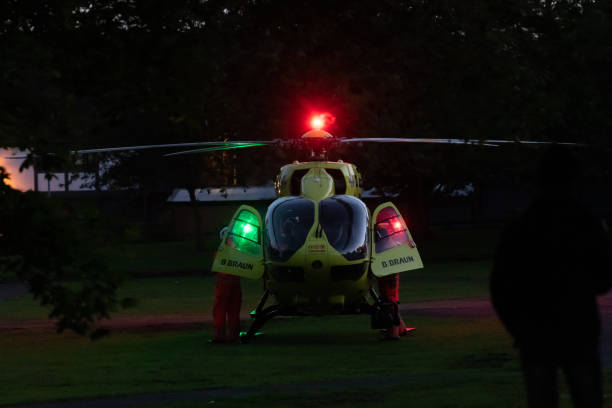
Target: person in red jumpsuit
[
  {"x": 389, "y": 289},
  {"x": 226, "y": 309}
]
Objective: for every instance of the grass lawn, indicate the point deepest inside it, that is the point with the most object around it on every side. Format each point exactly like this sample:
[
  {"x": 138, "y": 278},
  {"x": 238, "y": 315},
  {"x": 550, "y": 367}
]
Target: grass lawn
[
  {"x": 193, "y": 294},
  {"x": 161, "y": 258},
  {"x": 332, "y": 361},
  {"x": 446, "y": 358},
  {"x": 301, "y": 362}
]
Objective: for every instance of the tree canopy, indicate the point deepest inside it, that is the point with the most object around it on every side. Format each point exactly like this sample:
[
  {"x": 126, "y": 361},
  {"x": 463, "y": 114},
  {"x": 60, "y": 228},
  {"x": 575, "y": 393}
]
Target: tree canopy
[{"x": 81, "y": 74}]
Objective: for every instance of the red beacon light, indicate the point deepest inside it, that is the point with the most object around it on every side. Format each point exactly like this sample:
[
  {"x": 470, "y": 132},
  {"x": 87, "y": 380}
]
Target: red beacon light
[
  {"x": 317, "y": 139},
  {"x": 321, "y": 120},
  {"x": 317, "y": 122}
]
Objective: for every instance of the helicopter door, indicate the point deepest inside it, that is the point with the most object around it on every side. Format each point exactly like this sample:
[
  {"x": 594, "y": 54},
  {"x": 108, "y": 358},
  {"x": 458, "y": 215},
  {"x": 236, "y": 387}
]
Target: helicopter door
[
  {"x": 240, "y": 251},
  {"x": 394, "y": 249}
]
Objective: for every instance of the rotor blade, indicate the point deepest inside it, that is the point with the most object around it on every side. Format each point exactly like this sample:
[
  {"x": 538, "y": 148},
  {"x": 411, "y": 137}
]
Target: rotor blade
[
  {"x": 212, "y": 149},
  {"x": 485, "y": 142},
  {"x": 533, "y": 142},
  {"x": 164, "y": 146},
  {"x": 416, "y": 140},
  {"x": 159, "y": 146},
  {"x": 217, "y": 146}
]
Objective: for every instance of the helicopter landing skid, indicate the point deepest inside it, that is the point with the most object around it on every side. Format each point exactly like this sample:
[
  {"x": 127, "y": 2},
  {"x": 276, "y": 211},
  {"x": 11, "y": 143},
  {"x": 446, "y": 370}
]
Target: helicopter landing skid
[
  {"x": 384, "y": 314},
  {"x": 260, "y": 318}
]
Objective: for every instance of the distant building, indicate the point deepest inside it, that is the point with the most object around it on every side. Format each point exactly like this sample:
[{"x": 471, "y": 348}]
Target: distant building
[{"x": 225, "y": 194}]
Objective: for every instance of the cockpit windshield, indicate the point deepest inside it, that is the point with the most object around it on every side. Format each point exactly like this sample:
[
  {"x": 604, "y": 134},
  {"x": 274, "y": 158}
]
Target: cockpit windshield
[
  {"x": 345, "y": 221},
  {"x": 288, "y": 222}
]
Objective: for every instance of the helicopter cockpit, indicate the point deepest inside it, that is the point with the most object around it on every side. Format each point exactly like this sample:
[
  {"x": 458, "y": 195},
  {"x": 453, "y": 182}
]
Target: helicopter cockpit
[
  {"x": 288, "y": 222},
  {"x": 344, "y": 220}
]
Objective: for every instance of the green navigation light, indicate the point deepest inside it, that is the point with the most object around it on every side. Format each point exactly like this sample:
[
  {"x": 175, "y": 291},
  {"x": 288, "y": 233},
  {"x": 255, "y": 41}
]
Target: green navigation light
[
  {"x": 245, "y": 233},
  {"x": 249, "y": 217}
]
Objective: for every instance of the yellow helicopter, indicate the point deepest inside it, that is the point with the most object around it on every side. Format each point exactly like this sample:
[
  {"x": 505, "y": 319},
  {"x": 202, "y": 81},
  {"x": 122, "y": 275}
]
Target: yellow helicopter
[
  {"x": 318, "y": 244},
  {"x": 318, "y": 249}
]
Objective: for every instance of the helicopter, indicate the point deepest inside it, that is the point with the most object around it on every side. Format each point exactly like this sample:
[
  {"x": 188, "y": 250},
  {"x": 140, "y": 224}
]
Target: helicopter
[{"x": 319, "y": 249}]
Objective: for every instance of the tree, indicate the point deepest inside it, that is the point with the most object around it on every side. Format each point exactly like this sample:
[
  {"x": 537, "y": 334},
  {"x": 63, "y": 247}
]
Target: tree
[{"x": 50, "y": 247}]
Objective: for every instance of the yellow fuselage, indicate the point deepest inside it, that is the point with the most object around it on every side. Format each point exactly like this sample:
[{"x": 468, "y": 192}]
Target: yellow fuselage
[
  {"x": 317, "y": 276},
  {"x": 319, "y": 248}
]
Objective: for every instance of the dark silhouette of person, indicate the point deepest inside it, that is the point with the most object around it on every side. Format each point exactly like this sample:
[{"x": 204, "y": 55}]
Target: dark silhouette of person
[{"x": 551, "y": 264}]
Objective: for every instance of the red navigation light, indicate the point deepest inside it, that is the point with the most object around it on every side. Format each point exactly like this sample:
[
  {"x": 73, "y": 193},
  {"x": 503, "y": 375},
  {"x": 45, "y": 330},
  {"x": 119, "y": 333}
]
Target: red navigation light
[
  {"x": 321, "y": 120},
  {"x": 397, "y": 225}
]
